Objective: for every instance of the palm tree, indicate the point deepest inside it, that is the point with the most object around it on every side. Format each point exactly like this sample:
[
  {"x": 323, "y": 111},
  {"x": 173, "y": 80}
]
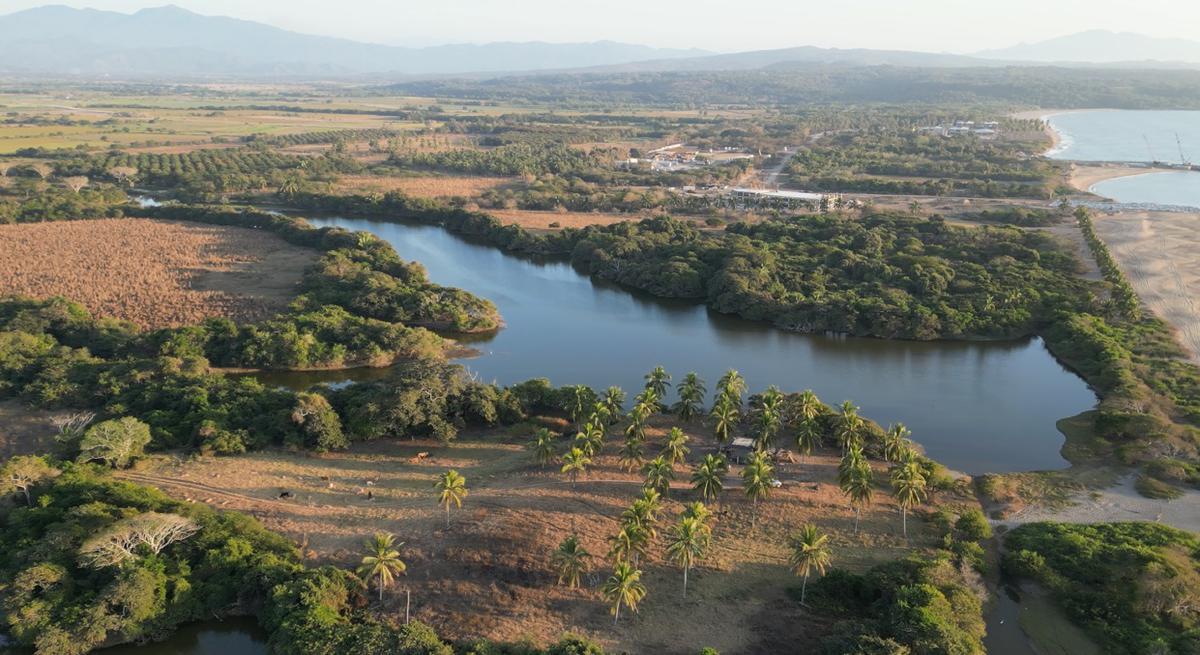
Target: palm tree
[
  {"x": 624, "y": 587},
  {"x": 732, "y": 386},
  {"x": 851, "y": 460},
  {"x": 575, "y": 462},
  {"x": 756, "y": 481},
  {"x": 707, "y": 478},
  {"x": 659, "y": 474},
  {"x": 571, "y": 559},
  {"x": 591, "y": 438},
  {"x": 697, "y": 510},
  {"x": 290, "y": 186},
  {"x": 452, "y": 488},
  {"x": 768, "y": 417},
  {"x": 808, "y": 437},
  {"x": 579, "y": 401},
  {"x": 637, "y": 422},
  {"x": 908, "y": 485},
  {"x": 857, "y": 487},
  {"x": 808, "y": 406},
  {"x": 725, "y": 418},
  {"x": 849, "y": 427},
  {"x": 810, "y": 551},
  {"x": 382, "y": 561},
  {"x": 648, "y": 401},
  {"x": 691, "y": 397},
  {"x": 542, "y": 447},
  {"x": 630, "y": 542},
  {"x": 676, "y": 448},
  {"x": 896, "y": 443},
  {"x": 657, "y": 381},
  {"x": 688, "y": 541},
  {"x": 614, "y": 401},
  {"x": 632, "y": 455}
]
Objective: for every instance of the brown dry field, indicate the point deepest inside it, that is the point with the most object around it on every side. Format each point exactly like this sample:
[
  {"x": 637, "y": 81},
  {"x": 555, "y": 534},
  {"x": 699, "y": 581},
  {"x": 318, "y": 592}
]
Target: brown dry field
[
  {"x": 153, "y": 273},
  {"x": 1158, "y": 251},
  {"x": 489, "y": 575},
  {"x": 432, "y": 186}
]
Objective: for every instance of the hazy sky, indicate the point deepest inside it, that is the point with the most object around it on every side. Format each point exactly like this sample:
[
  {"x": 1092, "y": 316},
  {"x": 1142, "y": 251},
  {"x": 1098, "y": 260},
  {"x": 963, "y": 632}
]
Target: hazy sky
[{"x": 723, "y": 25}]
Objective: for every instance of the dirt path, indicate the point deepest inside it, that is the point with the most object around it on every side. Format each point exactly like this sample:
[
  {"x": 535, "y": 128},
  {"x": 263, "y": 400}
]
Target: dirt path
[{"x": 1158, "y": 251}]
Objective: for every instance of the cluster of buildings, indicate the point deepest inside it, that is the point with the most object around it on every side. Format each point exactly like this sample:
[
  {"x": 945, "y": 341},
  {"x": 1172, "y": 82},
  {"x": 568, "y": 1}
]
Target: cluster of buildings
[
  {"x": 983, "y": 130},
  {"x": 743, "y": 198},
  {"x": 678, "y": 156}
]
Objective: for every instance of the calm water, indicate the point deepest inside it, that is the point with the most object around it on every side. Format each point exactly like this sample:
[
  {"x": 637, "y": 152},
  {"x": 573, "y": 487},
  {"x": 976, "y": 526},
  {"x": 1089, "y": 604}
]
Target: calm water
[
  {"x": 1135, "y": 136},
  {"x": 1167, "y": 188},
  {"x": 974, "y": 406},
  {"x": 1110, "y": 135},
  {"x": 240, "y": 636}
]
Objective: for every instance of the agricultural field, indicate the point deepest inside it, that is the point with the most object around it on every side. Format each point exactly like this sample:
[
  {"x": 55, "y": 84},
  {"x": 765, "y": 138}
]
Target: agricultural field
[
  {"x": 427, "y": 186},
  {"x": 152, "y": 273},
  {"x": 489, "y": 572}
]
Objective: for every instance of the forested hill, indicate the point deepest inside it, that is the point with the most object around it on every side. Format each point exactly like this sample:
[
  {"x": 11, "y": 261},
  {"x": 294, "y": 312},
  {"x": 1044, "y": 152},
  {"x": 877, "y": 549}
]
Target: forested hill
[{"x": 807, "y": 83}]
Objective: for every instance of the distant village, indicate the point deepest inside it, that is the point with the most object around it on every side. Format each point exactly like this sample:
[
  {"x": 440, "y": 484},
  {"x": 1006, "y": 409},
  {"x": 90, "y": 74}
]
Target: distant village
[{"x": 983, "y": 130}]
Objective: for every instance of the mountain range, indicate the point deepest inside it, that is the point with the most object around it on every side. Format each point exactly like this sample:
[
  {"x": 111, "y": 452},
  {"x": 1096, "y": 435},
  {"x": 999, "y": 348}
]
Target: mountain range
[{"x": 172, "y": 42}]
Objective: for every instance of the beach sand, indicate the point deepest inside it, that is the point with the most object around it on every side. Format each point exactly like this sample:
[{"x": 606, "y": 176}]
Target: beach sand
[
  {"x": 1121, "y": 502},
  {"x": 1083, "y": 178},
  {"x": 1157, "y": 250}
]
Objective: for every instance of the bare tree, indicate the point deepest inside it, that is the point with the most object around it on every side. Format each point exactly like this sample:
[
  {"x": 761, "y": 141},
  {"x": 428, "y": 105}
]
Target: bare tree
[
  {"x": 22, "y": 473},
  {"x": 4, "y": 168},
  {"x": 43, "y": 170},
  {"x": 126, "y": 540},
  {"x": 75, "y": 183}
]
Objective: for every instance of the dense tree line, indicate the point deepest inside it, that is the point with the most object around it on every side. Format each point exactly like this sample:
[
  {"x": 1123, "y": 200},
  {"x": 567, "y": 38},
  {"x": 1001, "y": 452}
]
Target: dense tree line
[{"x": 1134, "y": 586}]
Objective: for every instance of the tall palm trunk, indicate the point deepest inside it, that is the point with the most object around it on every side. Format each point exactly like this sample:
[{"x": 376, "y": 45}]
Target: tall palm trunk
[
  {"x": 685, "y": 572},
  {"x": 804, "y": 588},
  {"x": 857, "y": 514},
  {"x": 617, "y": 614},
  {"x": 381, "y": 587},
  {"x": 904, "y": 520},
  {"x": 447, "y": 515}
]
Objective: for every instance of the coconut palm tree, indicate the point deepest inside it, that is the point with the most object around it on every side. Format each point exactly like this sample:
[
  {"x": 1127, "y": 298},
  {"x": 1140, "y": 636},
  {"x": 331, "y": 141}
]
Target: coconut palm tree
[
  {"x": 810, "y": 552},
  {"x": 648, "y": 401},
  {"x": 768, "y": 417},
  {"x": 382, "y": 560},
  {"x": 808, "y": 406},
  {"x": 575, "y": 462},
  {"x": 452, "y": 488},
  {"x": 687, "y": 543},
  {"x": 591, "y": 438},
  {"x": 858, "y": 488},
  {"x": 851, "y": 460},
  {"x": 542, "y": 447},
  {"x": 908, "y": 486},
  {"x": 630, "y": 542},
  {"x": 808, "y": 437},
  {"x": 580, "y": 399},
  {"x": 632, "y": 455},
  {"x": 756, "y": 481},
  {"x": 659, "y": 474},
  {"x": 571, "y": 560},
  {"x": 699, "y": 511},
  {"x": 849, "y": 426},
  {"x": 896, "y": 443},
  {"x": 676, "y": 449},
  {"x": 724, "y": 419},
  {"x": 707, "y": 479},
  {"x": 614, "y": 401},
  {"x": 731, "y": 386},
  {"x": 624, "y": 588},
  {"x": 637, "y": 422},
  {"x": 691, "y": 397},
  {"x": 657, "y": 381}
]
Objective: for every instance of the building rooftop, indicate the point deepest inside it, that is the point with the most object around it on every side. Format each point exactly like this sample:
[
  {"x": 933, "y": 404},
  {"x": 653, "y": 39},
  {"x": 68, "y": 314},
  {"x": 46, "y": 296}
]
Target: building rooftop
[{"x": 795, "y": 195}]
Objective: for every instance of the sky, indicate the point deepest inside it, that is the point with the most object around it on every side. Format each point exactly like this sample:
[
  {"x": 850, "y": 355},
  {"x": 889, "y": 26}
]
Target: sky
[{"x": 960, "y": 26}]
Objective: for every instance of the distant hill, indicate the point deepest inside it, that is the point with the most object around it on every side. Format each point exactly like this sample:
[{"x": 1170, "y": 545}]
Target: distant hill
[
  {"x": 803, "y": 56},
  {"x": 169, "y": 41},
  {"x": 1100, "y": 46}
]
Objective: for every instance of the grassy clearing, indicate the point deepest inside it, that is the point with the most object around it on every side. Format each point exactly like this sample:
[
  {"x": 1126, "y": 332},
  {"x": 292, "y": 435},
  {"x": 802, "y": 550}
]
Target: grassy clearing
[
  {"x": 431, "y": 186},
  {"x": 489, "y": 573},
  {"x": 153, "y": 273}
]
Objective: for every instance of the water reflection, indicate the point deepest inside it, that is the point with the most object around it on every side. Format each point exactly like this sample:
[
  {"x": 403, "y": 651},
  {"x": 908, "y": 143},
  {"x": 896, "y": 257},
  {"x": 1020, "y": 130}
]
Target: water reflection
[{"x": 976, "y": 406}]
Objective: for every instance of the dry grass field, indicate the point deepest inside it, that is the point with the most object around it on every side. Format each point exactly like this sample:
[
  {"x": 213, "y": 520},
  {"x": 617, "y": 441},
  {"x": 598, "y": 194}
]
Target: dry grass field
[
  {"x": 153, "y": 273},
  {"x": 488, "y": 574},
  {"x": 431, "y": 186},
  {"x": 536, "y": 220}
]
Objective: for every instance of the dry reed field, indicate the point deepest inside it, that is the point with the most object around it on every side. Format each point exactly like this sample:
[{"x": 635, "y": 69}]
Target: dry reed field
[
  {"x": 489, "y": 572},
  {"x": 153, "y": 273}
]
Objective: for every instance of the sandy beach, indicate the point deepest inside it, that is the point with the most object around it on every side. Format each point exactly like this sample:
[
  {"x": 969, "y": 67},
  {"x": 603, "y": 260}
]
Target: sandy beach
[
  {"x": 1157, "y": 250},
  {"x": 1120, "y": 502},
  {"x": 1083, "y": 178}
]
